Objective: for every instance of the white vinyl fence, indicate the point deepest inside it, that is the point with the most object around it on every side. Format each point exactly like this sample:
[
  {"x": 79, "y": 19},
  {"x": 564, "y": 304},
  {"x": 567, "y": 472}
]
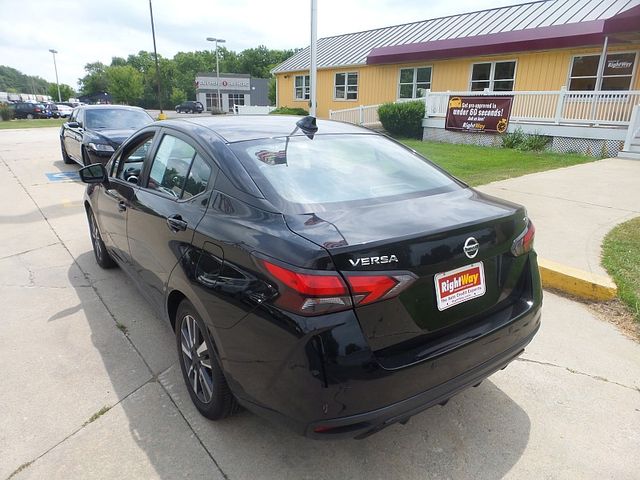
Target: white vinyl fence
[{"x": 362, "y": 115}]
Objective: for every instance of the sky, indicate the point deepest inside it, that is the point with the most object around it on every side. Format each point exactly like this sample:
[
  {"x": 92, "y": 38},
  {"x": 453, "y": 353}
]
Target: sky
[{"x": 85, "y": 31}]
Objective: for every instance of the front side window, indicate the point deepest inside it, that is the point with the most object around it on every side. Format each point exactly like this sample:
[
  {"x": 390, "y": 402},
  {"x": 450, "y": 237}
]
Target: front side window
[
  {"x": 302, "y": 86},
  {"x": 496, "y": 76},
  {"x": 170, "y": 166},
  {"x": 617, "y": 73},
  {"x": 414, "y": 82},
  {"x": 128, "y": 166},
  {"x": 346, "y": 86}
]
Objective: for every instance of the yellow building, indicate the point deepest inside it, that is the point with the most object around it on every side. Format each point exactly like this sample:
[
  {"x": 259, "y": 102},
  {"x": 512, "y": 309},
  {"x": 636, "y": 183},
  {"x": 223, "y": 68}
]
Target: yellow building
[{"x": 570, "y": 49}]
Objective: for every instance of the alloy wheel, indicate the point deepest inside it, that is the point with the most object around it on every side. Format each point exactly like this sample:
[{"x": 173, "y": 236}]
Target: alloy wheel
[
  {"x": 95, "y": 237},
  {"x": 197, "y": 359}
]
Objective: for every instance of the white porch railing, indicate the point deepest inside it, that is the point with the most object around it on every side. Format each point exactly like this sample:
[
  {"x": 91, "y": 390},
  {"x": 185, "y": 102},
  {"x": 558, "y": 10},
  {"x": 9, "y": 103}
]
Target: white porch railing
[
  {"x": 252, "y": 110},
  {"x": 362, "y": 115},
  {"x": 551, "y": 107},
  {"x": 558, "y": 107}
]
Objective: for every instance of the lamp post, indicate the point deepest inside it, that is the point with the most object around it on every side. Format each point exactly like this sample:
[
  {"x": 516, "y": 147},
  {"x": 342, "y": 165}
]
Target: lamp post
[
  {"x": 313, "y": 69},
  {"x": 55, "y": 67},
  {"x": 217, "y": 40}
]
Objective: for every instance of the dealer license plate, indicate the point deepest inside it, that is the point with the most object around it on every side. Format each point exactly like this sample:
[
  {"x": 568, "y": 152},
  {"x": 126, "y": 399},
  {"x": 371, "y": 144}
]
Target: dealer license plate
[{"x": 459, "y": 285}]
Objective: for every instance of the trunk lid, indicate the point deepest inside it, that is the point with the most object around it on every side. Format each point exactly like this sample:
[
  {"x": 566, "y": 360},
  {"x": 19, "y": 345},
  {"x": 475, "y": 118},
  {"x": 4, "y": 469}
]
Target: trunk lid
[{"x": 425, "y": 236}]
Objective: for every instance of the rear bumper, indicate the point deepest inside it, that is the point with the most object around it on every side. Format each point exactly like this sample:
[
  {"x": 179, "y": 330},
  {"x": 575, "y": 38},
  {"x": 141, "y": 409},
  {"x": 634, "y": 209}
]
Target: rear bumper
[{"x": 362, "y": 425}]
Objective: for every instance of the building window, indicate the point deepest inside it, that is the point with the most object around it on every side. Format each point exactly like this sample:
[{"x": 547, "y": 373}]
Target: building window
[
  {"x": 212, "y": 101},
  {"x": 496, "y": 76},
  {"x": 302, "y": 84},
  {"x": 346, "y": 86},
  {"x": 235, "y": 99},
  {"x": 617, "y": 73},
  {"x": 414, "y": 82}
]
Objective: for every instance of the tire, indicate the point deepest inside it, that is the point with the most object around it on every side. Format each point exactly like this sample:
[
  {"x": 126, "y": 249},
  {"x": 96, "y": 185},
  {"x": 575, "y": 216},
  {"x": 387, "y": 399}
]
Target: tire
[
  {"x": 103, "y": 258},
  {"x": 66, "y": 158},
  {"x": 189, "y": 111},
  {"x": 204, "y": 378},
  {"x": 29, "y": 116}
]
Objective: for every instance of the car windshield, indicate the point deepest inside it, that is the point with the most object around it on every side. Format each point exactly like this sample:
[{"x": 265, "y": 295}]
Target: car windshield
[
  {"x": 309, "y": 174},
  {"x": 115, "y": 118}
]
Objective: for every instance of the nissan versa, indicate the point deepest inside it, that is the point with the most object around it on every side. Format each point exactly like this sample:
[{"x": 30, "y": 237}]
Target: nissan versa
[{"x": 316, "y": 273}]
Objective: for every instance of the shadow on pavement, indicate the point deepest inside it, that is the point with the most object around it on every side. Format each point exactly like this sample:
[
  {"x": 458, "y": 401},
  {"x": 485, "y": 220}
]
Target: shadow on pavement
[{"x": 481, "y": 433}]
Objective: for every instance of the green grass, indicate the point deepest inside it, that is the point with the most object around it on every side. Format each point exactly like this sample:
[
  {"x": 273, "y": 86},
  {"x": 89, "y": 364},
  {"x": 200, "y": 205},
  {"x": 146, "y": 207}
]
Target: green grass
[
  {"x": 479, "y": 165},
  {"x": 35, "y": 123},
  {"x": 621, "y": 258}
]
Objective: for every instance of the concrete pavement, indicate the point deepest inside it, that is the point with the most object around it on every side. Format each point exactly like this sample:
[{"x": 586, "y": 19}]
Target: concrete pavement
[
  {"x": 76, "y": 339},
  {"x": 574, "y": 208}
]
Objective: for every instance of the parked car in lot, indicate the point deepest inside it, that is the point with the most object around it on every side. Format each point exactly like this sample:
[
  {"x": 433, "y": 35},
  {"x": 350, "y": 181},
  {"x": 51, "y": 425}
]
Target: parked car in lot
[
  {"x": 190, "y": 107},
  {"x": 323, "y": 276},
  {"x": 30, "y": 110},
  {"x": 64, "y": 110},
  {"x": 94, "y": 132}
]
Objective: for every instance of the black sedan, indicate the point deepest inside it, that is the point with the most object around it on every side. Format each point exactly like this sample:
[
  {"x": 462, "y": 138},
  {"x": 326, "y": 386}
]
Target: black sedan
[
  {"x": 94, "y": 132},
  {"x": 321, "y": 275}
]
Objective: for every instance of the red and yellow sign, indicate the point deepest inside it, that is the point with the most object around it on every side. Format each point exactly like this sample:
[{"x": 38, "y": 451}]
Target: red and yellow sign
[
  {"x": 460, "y": 285},
  {"x": 479, "y": 114}
]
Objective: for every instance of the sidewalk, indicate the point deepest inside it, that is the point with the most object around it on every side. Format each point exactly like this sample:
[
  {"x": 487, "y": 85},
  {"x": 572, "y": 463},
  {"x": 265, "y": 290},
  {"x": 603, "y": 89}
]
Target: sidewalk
[{"x": 574, "y": 208}]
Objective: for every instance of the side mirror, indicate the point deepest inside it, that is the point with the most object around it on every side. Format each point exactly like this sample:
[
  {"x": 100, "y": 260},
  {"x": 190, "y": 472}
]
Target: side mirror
[
  {"x": 73, "y": 125},
  {"x": 94, "y": 173}
]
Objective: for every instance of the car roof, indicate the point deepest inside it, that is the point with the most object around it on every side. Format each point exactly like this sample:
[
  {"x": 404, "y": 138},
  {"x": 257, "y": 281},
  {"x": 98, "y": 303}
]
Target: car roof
[{"x": 239, "y": 128}]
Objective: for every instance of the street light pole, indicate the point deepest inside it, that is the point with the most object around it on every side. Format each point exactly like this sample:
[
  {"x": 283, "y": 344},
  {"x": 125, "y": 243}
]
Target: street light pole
[
  {"x": 217, "y": 40},
  {"x": 55, "y": 67}
]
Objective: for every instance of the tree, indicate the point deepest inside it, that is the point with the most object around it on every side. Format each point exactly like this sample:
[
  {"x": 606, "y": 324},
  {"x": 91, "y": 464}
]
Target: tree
[
  {"x": 177, "y": 97},
  {"x": 95, "y": 80},
  {"x": 66, "y": 92},
  {"x": 124, "y": 84}
]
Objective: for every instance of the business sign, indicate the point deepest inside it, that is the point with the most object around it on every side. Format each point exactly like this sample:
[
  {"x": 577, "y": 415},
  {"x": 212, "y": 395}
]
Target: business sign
[
  {"x": 479, "y": 114},
  {"x": 226, "y": 83}
]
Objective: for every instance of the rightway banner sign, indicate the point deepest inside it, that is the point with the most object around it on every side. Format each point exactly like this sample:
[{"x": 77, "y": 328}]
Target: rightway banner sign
[{"x": 479, "y": 114}]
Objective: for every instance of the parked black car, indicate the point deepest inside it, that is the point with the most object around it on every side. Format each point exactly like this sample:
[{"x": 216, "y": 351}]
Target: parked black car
[
  {"x": 30, "y": 110},
  {"x": 94, "y": 132},
  {"x": 190, "y": 107},
  {"x": 326, "y": 277}
]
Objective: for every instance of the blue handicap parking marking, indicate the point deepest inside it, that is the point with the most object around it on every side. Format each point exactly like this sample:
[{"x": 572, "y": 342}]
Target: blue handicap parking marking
[{"x": 62, "y": 176}]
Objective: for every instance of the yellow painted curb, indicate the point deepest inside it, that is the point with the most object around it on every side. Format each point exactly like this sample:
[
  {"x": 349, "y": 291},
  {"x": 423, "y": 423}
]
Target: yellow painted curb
[{"x": 574, "y": 281}]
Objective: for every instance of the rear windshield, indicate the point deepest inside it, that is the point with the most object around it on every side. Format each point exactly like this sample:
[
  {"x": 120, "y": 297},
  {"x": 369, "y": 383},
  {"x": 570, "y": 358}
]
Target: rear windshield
[
  {"x": 301, "y": 174},
  {"x": 116, "y": 119}
]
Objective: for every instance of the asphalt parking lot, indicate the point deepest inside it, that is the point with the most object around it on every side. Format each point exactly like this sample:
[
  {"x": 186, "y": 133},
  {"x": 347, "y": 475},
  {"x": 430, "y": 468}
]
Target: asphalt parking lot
[{"x": 91, "y": 387}]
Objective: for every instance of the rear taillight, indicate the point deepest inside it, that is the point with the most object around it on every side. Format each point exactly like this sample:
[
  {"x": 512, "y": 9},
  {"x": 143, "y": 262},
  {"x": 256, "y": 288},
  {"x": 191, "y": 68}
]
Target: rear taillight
[
  {"x": 315, "y": 293},
  {"x": 524, "y": 242}
]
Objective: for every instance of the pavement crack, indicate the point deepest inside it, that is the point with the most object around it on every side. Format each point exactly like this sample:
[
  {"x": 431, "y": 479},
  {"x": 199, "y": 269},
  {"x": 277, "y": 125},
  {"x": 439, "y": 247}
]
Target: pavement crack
[
  {"x": 28, "y": 251},
  {"x": 577, "y": 372}
]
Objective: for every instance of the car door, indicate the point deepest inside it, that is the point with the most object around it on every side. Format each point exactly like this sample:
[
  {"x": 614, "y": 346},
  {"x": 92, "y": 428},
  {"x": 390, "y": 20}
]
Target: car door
[
  {"x": 114, "y": 200},
  {"x": 166, "y": 209},
  {"x": 73, "y": 135}
]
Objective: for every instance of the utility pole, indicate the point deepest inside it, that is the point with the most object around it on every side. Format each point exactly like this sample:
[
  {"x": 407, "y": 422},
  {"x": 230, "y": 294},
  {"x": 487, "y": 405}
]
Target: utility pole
[
  {"x": 217, "y": 40},
  {"x": 162, "y": 115}
]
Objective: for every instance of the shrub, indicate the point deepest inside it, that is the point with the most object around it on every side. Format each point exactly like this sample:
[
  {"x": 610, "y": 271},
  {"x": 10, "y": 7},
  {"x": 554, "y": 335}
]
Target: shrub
[
  {"x": 404, "y": 119},
  {"x": 521, "y": 141},
  {"x": 514, "y": 139},
  {"x": 6, "y": 112},
  {"x": 289, "y": 111}
]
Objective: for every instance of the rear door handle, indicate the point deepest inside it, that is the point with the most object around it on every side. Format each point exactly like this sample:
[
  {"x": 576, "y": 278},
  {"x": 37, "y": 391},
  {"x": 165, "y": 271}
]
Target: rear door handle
[
  {"x": 176, "y": 223},
  {"x": 122, "y": 206}
]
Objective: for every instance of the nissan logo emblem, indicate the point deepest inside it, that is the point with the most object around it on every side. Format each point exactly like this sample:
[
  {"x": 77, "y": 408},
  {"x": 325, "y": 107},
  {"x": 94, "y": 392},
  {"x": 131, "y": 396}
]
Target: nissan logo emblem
[{"x": 471, "y": 247}]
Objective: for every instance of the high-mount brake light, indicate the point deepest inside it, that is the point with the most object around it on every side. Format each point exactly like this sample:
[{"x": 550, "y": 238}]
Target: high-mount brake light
[
  {"x": 524, "y": 242},
  {"x": 316, "y": 292}
]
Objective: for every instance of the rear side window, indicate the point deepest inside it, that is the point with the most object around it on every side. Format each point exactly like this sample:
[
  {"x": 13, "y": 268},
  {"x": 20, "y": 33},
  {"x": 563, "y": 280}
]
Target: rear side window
[
  {"x": 171, "y": 166},
  {"x": 198, "y": 178},
  {"x": 335, "y": 169}
]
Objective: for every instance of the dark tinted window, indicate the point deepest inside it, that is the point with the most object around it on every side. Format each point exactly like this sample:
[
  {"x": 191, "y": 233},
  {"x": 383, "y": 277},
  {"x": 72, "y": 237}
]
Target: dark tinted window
[
  {"x": 115, "y": 118},
  {"x": 198, "y": 178}
]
